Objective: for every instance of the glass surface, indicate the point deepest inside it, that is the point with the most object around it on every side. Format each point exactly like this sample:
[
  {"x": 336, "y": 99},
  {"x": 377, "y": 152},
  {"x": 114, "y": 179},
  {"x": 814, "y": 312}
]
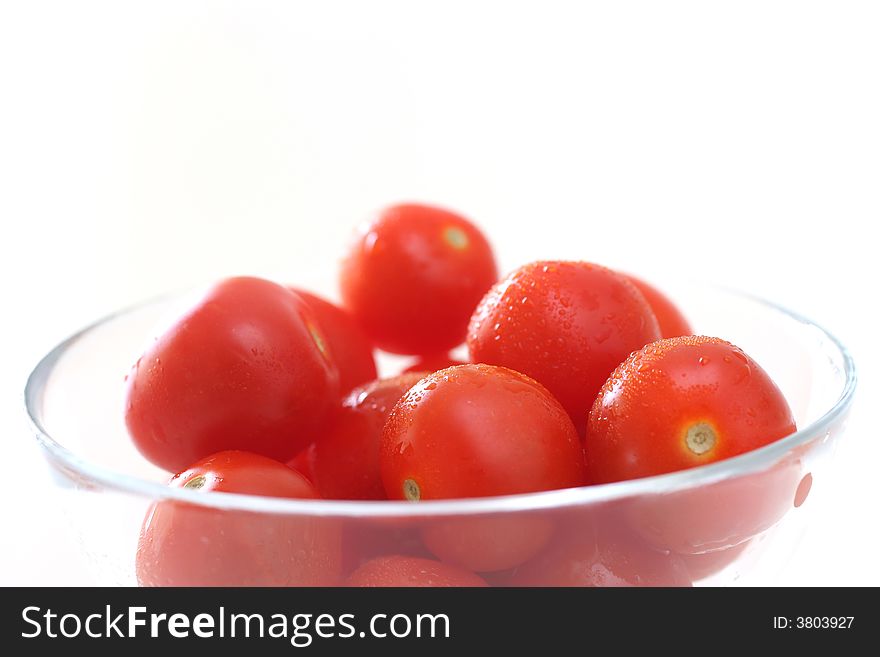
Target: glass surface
[{"x": 735, "y": 521}]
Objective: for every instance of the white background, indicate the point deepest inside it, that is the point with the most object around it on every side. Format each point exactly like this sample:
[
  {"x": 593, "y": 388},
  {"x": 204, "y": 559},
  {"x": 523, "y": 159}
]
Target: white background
[{"x": 145, "y": 147}]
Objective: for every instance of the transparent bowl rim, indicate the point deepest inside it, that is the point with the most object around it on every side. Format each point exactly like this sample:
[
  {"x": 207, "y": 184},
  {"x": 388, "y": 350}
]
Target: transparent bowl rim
[{"x": 758, "y": 460}]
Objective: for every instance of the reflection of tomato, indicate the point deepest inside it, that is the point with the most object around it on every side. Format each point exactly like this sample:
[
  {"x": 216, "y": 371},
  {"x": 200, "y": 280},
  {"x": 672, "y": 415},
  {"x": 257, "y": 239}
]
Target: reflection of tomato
[
  {"x": 588, "y": 557},
  {"x": 803, "y": 490},
  {"x": 349, "y": 348},
  {"x": 565, "y": 324},
  {"x": 701, "y": 566},
  {"x": 244, "y": 369},
  {"x": 403, "y": 571},
  {"x": 432, "y": 363},
  {"x": 680, "y": 403},
  {"x": 346, "y": 457},
  {"x": 672, "y": 323},
  {"x": 189, "y": 545},
  {"x": 716, "y": 516},
  {"x": 488, "y": 544},
  {"x": 477, "y": 431},
  {"x": 414, "y": 276}
]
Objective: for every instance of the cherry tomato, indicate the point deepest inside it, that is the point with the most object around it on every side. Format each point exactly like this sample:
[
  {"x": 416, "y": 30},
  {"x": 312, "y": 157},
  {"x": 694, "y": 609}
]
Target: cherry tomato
[
  {"x": 414, "y": 276},
  {"x": 349, "y": 348},
  {"x": 403, "y": 571},
  {"x": 476, "y": 431},
  {"x": 716, "y": 516},
  {"x": 672, "y": 322},
  {"x": 488, "y": 544},
  {"x": 244, "y": 369},
  {"x": 680, "y": 403},
  {"x": 432, "y": 363},
  {"x": 190, "y": 545},
  {"x": 565, "y": 324},
  {"x": 346, "y": 457},
  {"x": 587, "y": 557}
]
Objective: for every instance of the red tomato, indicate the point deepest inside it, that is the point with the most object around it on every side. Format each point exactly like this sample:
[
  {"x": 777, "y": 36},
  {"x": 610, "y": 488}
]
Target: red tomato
[
  {"x": 346, "y": 457},
  {"x": 405, "y": 571},
  {"x": 433, "y": 363},
  {"x": 189, "y": 545},
  {"x": 680, "y": 403},
  {"x": 244, "y": 369},
  {"x": 488, "y": 544},
  {"x": 476, "y": 431},
  {"x": 304, "y": 463},
  {"x": 414, "y": 276},
  {"x": 716, "y": 516},
  {"x": 588, "y": 558},
  {"x": 565, "y": 324},
  {"x": 673, "y": 323},
  {"x": 350, "y": 349}
]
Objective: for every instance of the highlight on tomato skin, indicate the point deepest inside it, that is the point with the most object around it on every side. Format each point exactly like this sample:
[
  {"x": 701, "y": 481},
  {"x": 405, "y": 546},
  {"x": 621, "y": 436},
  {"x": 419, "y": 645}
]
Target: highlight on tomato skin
[
  {"x": 565, "y": 324},
  {"x": 413, "y": 277},
  {"x": 672, "y": 322},
  {"x": 345, "y": 460},
  {"x": 350, "y": 349},
  {"x": 679, "y": 403},
  {"x": 246, "y": 368},
  {"x": 183, "y": 544}
]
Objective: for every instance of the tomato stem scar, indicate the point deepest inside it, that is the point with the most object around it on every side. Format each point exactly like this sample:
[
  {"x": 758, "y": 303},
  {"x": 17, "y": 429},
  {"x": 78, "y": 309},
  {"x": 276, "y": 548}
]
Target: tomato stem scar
[
  {"x": 700, "y": 438},
  {"x": 318, "y": 338},
  {"x": 456, "y": 238},
  {"x": 196, "y": 483},
  {"x": 411, "y": 490}
]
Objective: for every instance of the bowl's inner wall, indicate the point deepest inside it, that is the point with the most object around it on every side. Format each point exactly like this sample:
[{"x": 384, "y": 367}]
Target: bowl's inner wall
[{"x": 82, "y": 405}]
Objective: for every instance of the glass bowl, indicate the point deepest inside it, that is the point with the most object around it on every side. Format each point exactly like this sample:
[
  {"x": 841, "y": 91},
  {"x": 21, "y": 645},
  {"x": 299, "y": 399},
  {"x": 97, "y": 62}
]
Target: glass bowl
[{"x": 735, "y": 521}]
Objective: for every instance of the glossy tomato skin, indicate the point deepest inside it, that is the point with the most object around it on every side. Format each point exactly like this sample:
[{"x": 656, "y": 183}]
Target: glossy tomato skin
[
  {"x": 350, "y": 349},
  {"x": 346, "y": 457},
  {"x": 432, "y": 363},
  {"x": 590, "y": 558},
  {"x": 477, "y": 431},
  {"x": 672, "y": 322},
  {"x": 565, "y": 324},
  {"x": 405, "y": 571},
  {"x": 244, "y": 369},
  {"x": 189, "y": 545},
  {"x": 680, "y": 403},
  {"x": 413, "y": 277}
]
